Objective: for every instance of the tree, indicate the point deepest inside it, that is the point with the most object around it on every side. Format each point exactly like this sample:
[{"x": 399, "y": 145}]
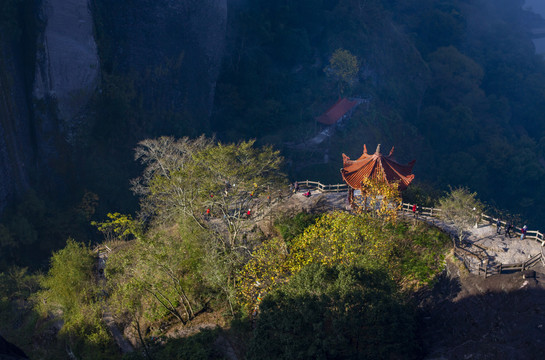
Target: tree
[
  {"x": 343, "y": 68},
  {"x": 167, "y": 185},
  {"x": 70, "y": 288},
  {"x": 186, "y": 177},
  {"x": 236, "y": 177},
  {"x": 118, "y": 227},
  {"x": 70, "y": 280},
  {"x": 462, "y": 208}
]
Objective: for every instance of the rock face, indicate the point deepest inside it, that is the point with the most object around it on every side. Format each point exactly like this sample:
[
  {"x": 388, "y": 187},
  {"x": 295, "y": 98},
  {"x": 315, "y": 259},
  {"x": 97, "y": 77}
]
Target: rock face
[
  {"x": 67, "y": 69},
  {"x": 169, "y": 50},
  {"x": 16, "y": 150}
]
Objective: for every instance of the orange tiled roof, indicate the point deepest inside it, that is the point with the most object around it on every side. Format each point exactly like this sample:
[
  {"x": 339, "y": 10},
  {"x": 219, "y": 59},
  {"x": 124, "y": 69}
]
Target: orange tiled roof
[
  {"x": 354, "y": 171},
  {"x": 337, "y": 111}
]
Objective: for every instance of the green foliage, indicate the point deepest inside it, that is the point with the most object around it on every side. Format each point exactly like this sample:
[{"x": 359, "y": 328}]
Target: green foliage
[
  {"x": 335, "y": 312},
  {"x": 70, "y": 287},
  {"x": 86, "y": 335},
  {"x": 19, "y": 323},
  {"x": 470, "y": 115},
  {"x": 161, "y": 275},
  {"x": 440, "y": 27},
  {"x": 291, "y": 226},
  {"x": 70, "y": 280},
  {"x": 35, "y": 227},
  {"x": 119, "y": 227},
  {"x": 421, "y": 194},
  {"x": 343, "y": 67}
]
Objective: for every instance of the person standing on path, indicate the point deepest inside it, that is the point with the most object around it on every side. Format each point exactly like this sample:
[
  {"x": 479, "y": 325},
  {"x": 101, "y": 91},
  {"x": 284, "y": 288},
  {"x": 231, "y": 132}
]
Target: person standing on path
[
  {"x": 523, "y": 232},
  {"x": 498, "y": 226},
  {"x": 508, "y": 229},
  {"x": 415, "y": 207}
]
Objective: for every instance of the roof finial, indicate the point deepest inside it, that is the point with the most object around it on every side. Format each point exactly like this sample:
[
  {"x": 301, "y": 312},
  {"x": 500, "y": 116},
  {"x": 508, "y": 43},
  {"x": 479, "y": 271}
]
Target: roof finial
[
  {"x": 377, "y": 151},
  {"x": 391, "y": 152},
  {"x": 364, "y": 149}
]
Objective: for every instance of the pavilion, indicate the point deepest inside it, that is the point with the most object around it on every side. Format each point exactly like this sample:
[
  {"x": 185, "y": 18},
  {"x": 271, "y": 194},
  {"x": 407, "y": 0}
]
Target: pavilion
[{"x": 375, "y": 166}]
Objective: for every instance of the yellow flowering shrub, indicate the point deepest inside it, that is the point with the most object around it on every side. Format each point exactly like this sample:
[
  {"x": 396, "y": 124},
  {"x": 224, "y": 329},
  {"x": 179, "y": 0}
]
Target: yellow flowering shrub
[{"x": 411, "y": 255}]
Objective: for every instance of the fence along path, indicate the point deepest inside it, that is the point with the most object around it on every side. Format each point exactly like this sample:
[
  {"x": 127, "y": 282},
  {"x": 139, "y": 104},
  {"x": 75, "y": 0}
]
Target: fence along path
[
  {"x": 315, "y": 185},
  {"x": 486, "y": 267}
]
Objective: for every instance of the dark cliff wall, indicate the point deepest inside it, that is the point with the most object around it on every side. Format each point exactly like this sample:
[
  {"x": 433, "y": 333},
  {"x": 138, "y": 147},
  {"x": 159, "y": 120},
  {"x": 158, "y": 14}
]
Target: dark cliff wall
[
  {"x": 16, "y": 145},
  {"x": 169, "y": 53}
]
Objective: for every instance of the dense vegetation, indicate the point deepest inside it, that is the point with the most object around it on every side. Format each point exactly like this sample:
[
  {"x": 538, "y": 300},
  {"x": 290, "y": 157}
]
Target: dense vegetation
[{"x": 179, "y": 264}]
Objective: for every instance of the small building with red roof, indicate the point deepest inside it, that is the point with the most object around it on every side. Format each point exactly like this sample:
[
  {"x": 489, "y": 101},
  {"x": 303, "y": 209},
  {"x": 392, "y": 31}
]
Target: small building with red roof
[
  {"x": 374, "y": 166},
  {"x": 335, "y": 113}
]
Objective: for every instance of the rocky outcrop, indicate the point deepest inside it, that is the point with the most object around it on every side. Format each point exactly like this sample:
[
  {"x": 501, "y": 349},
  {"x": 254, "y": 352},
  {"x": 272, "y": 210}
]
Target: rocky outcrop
[{"x": 67, "y": 69}]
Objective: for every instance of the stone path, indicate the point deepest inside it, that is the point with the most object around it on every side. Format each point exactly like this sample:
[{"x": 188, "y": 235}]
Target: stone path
[{"x": 502, "y": 249}]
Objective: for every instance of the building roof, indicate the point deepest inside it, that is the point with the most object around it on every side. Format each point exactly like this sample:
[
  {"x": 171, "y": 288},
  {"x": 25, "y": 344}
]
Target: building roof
[
  {"x": 337, "y": 111},
  {"x": 369, "y": 166}
]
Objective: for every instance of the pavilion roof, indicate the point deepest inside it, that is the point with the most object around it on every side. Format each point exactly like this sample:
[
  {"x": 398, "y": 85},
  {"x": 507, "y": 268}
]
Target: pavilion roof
[
  {"x": 337, "y": 111},
  {"x": 370, "y": 166}
]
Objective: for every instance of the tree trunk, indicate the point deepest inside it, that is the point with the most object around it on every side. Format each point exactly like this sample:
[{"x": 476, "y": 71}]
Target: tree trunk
[
  {"x": 139, "y": 331},
  {"x": 170, "y": 308}
]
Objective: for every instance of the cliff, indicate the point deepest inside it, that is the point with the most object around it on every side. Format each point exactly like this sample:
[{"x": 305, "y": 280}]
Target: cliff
[
  {"x": 16, "y": 149},
  {"x": 169, "y": 51}
]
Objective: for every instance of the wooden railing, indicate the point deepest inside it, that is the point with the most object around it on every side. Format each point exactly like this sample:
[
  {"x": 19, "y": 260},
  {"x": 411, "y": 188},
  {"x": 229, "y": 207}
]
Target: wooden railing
[
  {"x": 428, "y": 211},
  {"x": 315, "y": 185},
  {"x": 485, "y": 267}
]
